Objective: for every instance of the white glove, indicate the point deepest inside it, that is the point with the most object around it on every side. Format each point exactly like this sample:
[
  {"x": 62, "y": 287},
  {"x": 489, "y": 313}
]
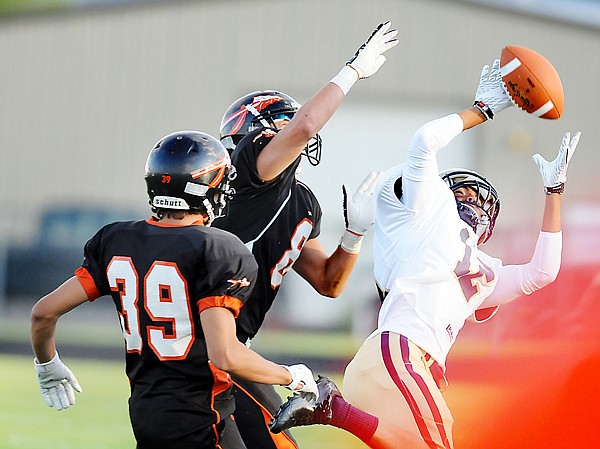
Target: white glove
[
  {"x": 554, "y": 173},
  {"x": 303, "y": 381},
  {"x": 358, "y": 211},
  {"x": 57, "y": 383},
  {"x": 491, "y": 96},
  {"x": 369, "y": 57}
]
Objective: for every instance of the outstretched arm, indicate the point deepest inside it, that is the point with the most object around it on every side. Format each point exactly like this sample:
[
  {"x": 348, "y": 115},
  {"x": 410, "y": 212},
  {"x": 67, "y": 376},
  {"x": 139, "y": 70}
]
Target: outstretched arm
[
  {"x": 328, "y": 274},
  {"x": 421, "y": 165},
  {"x": 518, "y": 280},
  {"x": 287, "y": 145},
  {"x": 554, "y": 174}
]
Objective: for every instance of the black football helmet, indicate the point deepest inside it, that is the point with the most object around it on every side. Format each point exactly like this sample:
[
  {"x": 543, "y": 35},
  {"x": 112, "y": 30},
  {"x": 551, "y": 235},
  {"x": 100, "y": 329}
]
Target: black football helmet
[
  {"x": 488, "y": 201},
  {"x": 260, "y": 110},
  {"x": 189, "y": 170}
]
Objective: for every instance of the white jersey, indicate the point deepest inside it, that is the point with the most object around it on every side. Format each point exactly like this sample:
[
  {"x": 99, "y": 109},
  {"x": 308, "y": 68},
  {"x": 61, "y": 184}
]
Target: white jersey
[
  {"x": 426, "y": 257},
  {"x": 429, "y": 264}
]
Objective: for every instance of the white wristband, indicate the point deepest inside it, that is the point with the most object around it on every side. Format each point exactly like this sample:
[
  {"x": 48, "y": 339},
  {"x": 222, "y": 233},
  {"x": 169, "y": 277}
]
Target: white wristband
[
  {"x": 345, "y": 79},
  {"x": 351, "y": 242}
]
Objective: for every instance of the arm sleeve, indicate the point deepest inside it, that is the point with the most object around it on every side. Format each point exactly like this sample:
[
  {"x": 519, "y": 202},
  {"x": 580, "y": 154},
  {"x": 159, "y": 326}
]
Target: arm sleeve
[
  {"x": 421, "y": 164},
  {"x": 519, "y": 280}
]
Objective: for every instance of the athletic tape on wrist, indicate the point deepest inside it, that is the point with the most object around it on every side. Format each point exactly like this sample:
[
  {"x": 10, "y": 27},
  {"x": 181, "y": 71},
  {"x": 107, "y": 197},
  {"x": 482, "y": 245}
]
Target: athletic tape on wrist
[
  {"x": 351, "y": 242},
  {"x": 345, "y": 79}
]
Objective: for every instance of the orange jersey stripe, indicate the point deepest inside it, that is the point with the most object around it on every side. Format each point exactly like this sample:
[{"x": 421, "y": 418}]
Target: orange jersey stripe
[
  {"x": 229, "y": 302},
  {"x": 222, "y": 381},
  {"x": 88, "y": 284}
]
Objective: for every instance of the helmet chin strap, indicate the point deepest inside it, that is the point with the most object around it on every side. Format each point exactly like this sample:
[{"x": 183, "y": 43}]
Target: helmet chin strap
[
  {"x": 209, "y": 211},
  {"x": 480, "y": 232}
]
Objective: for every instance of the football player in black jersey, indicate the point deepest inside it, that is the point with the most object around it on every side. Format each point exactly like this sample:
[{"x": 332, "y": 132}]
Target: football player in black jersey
[
  {"x": 177, "y": 285},
  {"x": 278, "y": 217}
]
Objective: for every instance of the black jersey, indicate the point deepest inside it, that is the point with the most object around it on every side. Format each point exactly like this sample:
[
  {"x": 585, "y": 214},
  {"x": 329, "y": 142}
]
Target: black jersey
[
  {"x": 274, "y": 219},
  {"x": 160, "y": 278}
]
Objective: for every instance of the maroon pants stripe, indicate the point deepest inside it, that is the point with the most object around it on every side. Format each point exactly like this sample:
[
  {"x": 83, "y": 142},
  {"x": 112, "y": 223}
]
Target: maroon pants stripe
[{"x": 389, "y": 364}]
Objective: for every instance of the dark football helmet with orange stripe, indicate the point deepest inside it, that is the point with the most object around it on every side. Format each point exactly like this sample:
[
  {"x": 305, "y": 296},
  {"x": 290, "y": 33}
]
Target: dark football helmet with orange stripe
[
  {"x": 261, "y": 109},
  {"x": 189, "y": 170}
]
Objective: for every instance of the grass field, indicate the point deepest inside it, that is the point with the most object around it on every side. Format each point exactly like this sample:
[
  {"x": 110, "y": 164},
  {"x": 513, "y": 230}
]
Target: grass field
[
  {"x": 99, "y": 419},
  {"x": 515, "y": 402},
  {"x": 503, "y": 393}
]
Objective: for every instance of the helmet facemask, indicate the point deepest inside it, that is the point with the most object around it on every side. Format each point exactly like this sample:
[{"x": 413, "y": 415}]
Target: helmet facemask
[
  {"x": 480, "y": 216},
  {"x": 312, "y": 150},
  {"x": 217, "y": 199},
  {"x": 478, "y": 221}
]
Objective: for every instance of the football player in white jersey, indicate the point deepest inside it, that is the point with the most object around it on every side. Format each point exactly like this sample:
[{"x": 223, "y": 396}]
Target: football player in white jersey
[{"x": 432, "y": 277}]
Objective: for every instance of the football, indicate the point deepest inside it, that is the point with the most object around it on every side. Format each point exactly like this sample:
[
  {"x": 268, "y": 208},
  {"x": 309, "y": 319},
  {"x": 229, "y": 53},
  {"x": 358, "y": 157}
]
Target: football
[{"x": 532, "y": 82}]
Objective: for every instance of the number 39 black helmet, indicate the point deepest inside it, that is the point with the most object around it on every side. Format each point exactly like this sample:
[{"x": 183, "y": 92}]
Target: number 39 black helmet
[{"x": 189, "y": 170}]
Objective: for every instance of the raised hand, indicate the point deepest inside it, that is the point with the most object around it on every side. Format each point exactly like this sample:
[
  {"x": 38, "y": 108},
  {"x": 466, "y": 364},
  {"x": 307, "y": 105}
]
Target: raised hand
[
  {"x": 554, "y": 173},
  {"x": 491, "y": 96},
  {"x": 369, "y": 57}
]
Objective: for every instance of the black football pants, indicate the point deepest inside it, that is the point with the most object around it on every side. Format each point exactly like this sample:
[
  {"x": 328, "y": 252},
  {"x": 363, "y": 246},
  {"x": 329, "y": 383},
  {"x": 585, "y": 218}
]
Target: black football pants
[{"x": 255, "y": 405}]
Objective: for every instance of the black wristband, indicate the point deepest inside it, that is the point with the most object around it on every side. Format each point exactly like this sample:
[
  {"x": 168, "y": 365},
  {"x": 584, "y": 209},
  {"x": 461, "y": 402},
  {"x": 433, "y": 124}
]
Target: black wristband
[
  {"x": 560, "y": 188},
  {"x": 485, "y": 109}
]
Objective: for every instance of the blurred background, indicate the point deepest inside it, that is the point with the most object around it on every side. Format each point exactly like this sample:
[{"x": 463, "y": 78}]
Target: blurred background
[{"x": 88, "y": 86}]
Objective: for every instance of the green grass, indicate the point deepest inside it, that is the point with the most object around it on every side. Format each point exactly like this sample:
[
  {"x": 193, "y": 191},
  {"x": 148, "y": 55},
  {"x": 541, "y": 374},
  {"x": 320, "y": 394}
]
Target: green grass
[
  {"x": 305, "y": 343},
  {"x": 9, "y": 7},
  {"x": 99, "y": 419}
]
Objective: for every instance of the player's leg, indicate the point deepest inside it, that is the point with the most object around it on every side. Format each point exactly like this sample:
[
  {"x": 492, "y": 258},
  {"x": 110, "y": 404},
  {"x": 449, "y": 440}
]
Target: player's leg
[
  {"x": 332, "y": 409},
  {"x": 255, "y": 405},
  {"x": 392, "y": 400},
  {"x": 390, "y": 378}
]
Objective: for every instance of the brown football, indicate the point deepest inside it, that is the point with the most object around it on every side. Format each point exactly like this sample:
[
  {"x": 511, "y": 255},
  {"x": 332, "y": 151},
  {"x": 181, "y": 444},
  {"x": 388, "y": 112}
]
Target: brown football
[{"x": 532, "y": 82}]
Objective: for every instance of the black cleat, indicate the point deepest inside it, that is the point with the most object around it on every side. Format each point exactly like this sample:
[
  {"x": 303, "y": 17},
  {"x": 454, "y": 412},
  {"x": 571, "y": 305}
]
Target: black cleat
[{"x": 299, "y": 411}]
